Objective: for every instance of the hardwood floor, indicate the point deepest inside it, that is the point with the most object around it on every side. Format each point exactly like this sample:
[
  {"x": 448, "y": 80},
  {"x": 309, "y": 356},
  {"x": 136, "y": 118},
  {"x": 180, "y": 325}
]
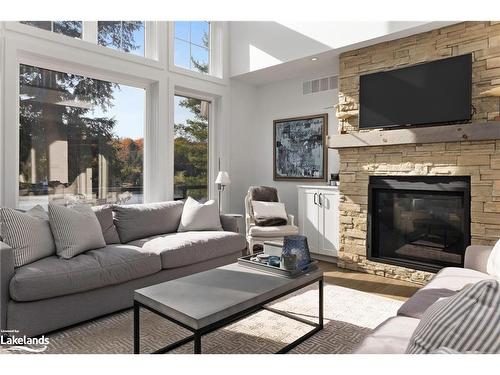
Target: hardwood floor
[{"x": 383, "y": 286}]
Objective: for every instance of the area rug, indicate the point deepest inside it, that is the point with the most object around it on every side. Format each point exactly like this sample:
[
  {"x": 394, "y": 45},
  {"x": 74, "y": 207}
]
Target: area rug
[{"x": 349, "y": 316}]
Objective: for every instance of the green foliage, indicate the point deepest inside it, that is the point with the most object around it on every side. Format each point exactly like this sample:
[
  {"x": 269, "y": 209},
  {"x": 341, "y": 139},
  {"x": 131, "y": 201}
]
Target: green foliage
[
  {"x": 199, "y": 66},
  {"x": 118, "y": 34},
  {"x": 191, "y": 150}
]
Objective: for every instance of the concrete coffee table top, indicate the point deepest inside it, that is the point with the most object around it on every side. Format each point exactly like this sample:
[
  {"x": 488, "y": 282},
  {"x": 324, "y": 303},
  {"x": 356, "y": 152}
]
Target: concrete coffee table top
[{"x": 207, "y": 297}]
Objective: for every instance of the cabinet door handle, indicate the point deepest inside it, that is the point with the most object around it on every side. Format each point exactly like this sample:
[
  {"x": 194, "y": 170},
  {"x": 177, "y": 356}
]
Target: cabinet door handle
[
  {"x": 319, "y": 199},
  {"x": 314, "y": 199}
]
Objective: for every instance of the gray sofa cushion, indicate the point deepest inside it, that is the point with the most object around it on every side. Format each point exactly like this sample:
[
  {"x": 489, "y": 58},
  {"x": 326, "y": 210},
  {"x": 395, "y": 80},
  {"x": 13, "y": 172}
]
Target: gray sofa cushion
[
  {"x": 75, "y": 230},
  {"x": 390, "y": 337},
  {"x": 446, "y": 283},
  {"x": 27, "y": 233},
  {"x": 181, "y": 249},
  {"x": 53, "y": 276},
  {"x": 105, "y": 216},
  {"x": 135, "y": 221}
]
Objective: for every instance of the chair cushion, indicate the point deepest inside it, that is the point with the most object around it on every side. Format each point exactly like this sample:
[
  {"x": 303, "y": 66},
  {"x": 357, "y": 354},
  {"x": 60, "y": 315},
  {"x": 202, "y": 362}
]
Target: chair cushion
[
  {"x": 75, "y": 230},
  {"x": 105, "y": 216},
  {"x": 269, "y": 214},
  {"x": 182, "y": 249},
  {"x": 28, "y": 233},
  {"x": 390, "y": 337},
  {"x": 467, "y": 322},
  {"x": 271, "y": 232},
  {"x": 135, "y": 221},
  {"x": 53, "y": 276},
  {"x": 446, "y": 283}
]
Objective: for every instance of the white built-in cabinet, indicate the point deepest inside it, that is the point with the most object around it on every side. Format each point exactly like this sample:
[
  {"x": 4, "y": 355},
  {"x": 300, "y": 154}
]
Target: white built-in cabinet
[{"x": 319, "y": 218}]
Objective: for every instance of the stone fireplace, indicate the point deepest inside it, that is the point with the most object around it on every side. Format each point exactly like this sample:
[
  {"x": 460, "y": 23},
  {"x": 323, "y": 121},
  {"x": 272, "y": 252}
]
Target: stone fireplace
[{"x": 467, "y": 152}]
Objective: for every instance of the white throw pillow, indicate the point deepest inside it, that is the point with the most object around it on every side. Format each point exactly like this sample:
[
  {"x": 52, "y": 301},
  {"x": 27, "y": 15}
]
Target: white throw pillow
[
  {"x": 199, "y": 216},
  {"x": 493, "y": 265},
  {"x": 267, "y": 210}
]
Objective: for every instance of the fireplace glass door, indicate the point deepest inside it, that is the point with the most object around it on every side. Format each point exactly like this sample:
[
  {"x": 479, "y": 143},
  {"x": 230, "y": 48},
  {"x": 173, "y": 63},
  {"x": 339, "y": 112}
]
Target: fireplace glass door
[{"x": 419, "y": 229}]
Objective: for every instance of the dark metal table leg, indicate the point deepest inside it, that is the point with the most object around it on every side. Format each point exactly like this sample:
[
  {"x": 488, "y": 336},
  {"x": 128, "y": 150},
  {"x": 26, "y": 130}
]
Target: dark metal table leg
[
  {"x": 320, "y": 290},
  {"x": 137, "y": 338},
  {"x": 197, "y": 343}
]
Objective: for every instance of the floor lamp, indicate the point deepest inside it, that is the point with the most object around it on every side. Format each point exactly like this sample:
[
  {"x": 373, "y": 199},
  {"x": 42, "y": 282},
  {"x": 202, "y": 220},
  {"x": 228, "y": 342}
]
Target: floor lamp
[{"x": 222, "y": 181}]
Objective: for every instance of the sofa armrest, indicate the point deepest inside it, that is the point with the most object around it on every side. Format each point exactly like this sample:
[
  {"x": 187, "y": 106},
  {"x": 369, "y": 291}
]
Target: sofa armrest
[
  {"x": 6, "y": 273},
  {"x": 291, "y": 219},
  {"x": 229, "y": 223},
  {"x": 476, "y": 257}
]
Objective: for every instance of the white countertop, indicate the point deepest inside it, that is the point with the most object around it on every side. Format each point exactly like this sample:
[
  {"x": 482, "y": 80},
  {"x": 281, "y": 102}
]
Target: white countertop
[{"x": 317, "y": 187}]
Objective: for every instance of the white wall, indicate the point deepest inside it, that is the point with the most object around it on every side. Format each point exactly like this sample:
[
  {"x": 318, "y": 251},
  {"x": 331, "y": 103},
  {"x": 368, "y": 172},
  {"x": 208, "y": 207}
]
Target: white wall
[
  {"x": 256, "y": 45},
  {"x": 252, "y": 115}
]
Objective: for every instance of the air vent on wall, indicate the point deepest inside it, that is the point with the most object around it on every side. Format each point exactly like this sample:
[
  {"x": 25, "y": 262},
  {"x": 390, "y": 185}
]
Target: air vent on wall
[{"x": 320, "y": 84}]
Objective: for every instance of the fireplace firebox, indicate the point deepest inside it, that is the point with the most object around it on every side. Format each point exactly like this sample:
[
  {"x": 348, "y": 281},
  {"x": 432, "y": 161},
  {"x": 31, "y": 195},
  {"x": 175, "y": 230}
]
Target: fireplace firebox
[{"x": 419, "y": 222}]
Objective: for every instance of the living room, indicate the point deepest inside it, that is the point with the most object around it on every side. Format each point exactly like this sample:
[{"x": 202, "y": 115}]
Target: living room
[{"x": 213, "y": 181}]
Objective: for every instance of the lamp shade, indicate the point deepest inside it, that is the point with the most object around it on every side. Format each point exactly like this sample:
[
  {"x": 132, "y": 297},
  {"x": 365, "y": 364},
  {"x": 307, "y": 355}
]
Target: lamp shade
[{"x": 223, "y": 178}]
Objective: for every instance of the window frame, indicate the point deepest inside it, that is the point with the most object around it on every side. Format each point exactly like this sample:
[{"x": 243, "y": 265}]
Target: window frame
[
  {"x": 28, "y": 60},
  {"x": 26, "y": 44},
  {"x": 32, "y": 53},
  {"x": 151, "y": 57},
  {"x": 211, "y": 99},
  {"x": 216, "y": 64}
]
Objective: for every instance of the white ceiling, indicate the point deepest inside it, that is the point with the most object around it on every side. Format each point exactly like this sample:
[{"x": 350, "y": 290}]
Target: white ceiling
[{"x": 327, "y": 63}]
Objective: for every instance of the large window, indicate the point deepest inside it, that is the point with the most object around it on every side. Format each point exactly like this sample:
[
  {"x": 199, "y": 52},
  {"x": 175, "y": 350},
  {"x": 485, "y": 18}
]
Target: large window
[
  {"x": 68, "y": 28},
  {"x": 192, "y": 45},
  {"x": 126, "y": 36},
  {"x": 81, "y": 139},
  {"x": 191, "y": 148}
]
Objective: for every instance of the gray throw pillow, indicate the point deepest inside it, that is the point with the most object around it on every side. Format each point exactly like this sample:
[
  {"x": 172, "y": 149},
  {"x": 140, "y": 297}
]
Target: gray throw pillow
[
  {"x": 28, "y": 233},
  {"x": 199, "y": 216},
  {"x": 469, "y": 321},
  {"x": 75, "y": 230},
  {"x": 136, "y": 221},
  {"x": 105, "y": 216}
]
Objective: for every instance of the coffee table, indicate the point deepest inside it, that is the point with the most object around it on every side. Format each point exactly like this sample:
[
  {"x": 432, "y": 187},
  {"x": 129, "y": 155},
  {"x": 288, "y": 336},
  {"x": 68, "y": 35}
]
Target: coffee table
[{"x": 206, "y": 301}]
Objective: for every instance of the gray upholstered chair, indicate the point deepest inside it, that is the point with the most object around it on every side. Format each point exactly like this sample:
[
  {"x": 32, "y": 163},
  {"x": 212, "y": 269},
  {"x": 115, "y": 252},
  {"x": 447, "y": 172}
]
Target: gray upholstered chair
[{"x": 257, "y": 235}]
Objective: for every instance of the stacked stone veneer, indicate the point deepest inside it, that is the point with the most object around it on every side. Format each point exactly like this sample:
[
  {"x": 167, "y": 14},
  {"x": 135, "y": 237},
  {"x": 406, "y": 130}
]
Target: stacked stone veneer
[{"x": 480, "y": 160}]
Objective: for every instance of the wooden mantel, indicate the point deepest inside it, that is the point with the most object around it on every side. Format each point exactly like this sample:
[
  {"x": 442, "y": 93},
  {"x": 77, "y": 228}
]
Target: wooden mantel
[{"x": 434, "y": 134}]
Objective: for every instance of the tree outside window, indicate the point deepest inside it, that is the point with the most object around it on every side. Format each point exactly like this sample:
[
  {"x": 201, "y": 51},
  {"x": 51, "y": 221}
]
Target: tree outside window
[
  {"x": 192, "y": 45},
  {"x": 191, "y": 148},
  {"x": 68, "y": 28}
]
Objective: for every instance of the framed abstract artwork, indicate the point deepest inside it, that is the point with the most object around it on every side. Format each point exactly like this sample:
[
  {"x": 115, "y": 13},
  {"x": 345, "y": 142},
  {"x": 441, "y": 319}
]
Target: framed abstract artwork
[{"x": 299, "y": 148}]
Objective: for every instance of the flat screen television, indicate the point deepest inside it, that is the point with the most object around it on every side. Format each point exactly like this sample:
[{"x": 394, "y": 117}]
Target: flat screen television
[{"x": 436, "y": 92}]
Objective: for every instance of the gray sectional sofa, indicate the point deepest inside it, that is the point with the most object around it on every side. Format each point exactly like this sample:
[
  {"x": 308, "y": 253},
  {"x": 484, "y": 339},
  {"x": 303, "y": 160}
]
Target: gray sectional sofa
[
  {"x": 52, "y": 293},
  {"x": 393, "y": 335}
]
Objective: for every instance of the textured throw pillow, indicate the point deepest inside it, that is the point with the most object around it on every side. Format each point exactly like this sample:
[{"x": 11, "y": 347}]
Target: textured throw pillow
[
  {"x": 105, "y": 216},
  {"x": 493, "y": 265},
  {"x": 28, "y": 233},
  {"x": 199, "y": 216},
  {"x": 75, "y": 230},
  {"x": 136, "y": 221},
  {"x": 269, "y": 213},
  {"x": 469, "y": 321}
]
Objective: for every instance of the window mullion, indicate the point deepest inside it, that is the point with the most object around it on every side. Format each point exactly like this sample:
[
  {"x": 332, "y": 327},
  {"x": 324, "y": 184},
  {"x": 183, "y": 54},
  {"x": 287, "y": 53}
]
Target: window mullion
[{"x": 89, "y": 32}]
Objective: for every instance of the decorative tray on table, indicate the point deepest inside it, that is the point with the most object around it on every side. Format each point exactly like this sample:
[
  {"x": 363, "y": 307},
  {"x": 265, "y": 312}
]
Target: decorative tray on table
[{"x": 246, "y": 262}]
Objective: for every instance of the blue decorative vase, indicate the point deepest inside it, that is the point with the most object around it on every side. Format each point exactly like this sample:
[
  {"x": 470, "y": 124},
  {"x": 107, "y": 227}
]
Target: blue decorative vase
[{"x": 297, "y": 245}]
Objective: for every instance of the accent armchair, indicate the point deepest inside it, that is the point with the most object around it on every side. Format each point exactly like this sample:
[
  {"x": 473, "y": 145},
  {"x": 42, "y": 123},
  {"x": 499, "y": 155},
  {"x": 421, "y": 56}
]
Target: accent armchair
[{"x": 257, "y": 235}]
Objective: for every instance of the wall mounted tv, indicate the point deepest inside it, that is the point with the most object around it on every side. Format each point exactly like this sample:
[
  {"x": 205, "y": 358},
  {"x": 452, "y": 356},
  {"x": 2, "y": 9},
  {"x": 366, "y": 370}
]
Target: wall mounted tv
[{"x": 436, "y": 92}]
